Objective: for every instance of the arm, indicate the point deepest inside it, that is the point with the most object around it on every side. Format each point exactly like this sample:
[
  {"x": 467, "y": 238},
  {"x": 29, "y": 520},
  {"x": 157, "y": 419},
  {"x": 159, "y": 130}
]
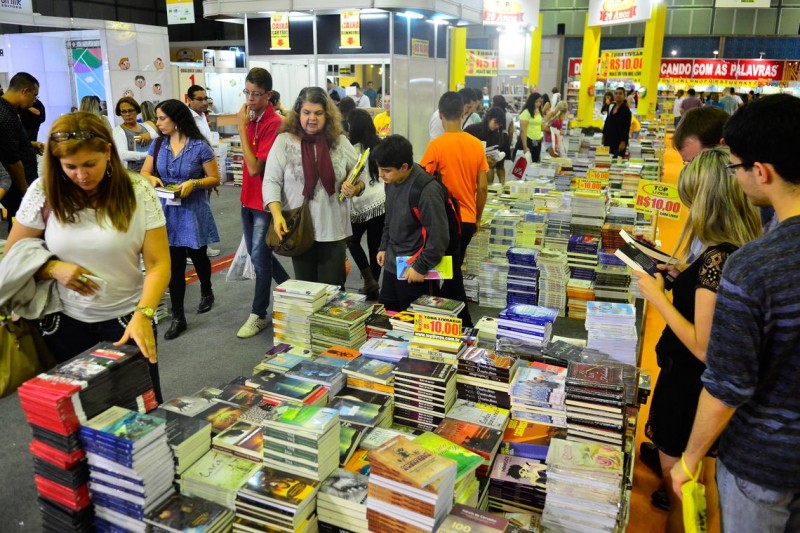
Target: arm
[
  {"x": 155, "y": 253},
  {"x": 434, "y": 219},
  {"x": 147, "y": 172},
  {"x": 480, "y": 198},
  {"x": 385, "y": 235},
  {"x": 121, "y": 142},
  {"x": 255, "y": 166},
  {"x": 17, "y": 173},
  {"x": 272, "y": 185}
]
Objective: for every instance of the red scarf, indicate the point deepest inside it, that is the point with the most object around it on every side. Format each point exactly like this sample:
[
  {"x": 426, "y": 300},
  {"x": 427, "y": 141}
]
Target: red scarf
[{"x": 316, "y": 164}]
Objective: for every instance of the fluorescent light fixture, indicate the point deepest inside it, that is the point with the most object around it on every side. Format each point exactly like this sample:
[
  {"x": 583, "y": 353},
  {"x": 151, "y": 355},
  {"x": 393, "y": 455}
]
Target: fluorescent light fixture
[{"x": 412, "y": 15}]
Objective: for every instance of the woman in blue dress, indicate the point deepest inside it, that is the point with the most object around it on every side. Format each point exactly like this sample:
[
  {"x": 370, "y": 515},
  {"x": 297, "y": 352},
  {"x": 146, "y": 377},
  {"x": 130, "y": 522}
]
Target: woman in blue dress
[{"x": 184, "y": 159}]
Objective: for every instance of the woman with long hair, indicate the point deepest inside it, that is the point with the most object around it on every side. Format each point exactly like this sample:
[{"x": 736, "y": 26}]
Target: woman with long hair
[
  {"x": 130, "y": 137},
  {"x": 608, "y": 103},
  {"x": 149, "y": 114},
  {"x": 310, "y": 160},
  {"x": 346, "y": 106},
  {"x": 490, "y": 131},
  {"x": 185, "y": 161},
  {"x": 369, "y": 208},
  {"x": 554, "y": 119},
  {"x": 530, "y": 126},
  {"x": 722, "y": 219},
  {"x": 96, "y": 218},
  {"x": 91, "y": 104}
]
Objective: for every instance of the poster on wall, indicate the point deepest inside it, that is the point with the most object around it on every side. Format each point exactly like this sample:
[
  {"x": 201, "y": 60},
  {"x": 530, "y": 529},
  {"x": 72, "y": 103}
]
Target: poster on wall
[
  {"x": 350, "y": 29},
  {"x": 279, "y": 31},
  {"x": 180, "y": 11},
  {"x": 481, "y": 63},
  {"x": 742, "y": 4},
  {"x": 16, "y": 7},
  {"x": 512, "y": 12},
  {"x": 610, "y": 12},
  {"x": 622, "y": 64},
  {"x": 420, "y": 48}
]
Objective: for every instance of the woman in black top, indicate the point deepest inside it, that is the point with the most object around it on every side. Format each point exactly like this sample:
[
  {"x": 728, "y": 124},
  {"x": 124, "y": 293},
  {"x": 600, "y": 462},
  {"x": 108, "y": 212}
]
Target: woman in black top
[{"x": 490, "y": 131}]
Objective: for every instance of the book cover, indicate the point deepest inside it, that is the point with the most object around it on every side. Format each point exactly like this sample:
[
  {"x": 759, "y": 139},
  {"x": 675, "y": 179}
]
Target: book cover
[
  {"x": 529, "y": 314},
  {"x": 349, "y": 438},
  {"x": 520, "y": 471},
  {"x": 385, "y": 348},
  {"x": 221, "y": 470},
  {"x": 283, "y": 487},
  {"x": 186, "y": 513},
  {"x": 241, "y": 395},
  {"x": 479, "y": 439},
  {"x": 370, "y": 369},
  {"x": 437, "y": 302},
  {"x": 377, "y": 436},
  {"x": 595, "y": 375},
  {"x": 341, "y": 352},
  {"x": 307, "y": 418},
  {"x": 169, "y": 192},
  {"x": 479, "y": 413},
  {"x": 221, "y": 416},
  {"x": 357, "y": 412},
  {"x": 468, "y": 519},
  {"x": 359, "y": 462},
  {"x": 466, "y": 461},
  {"x": 442, "y": 270},
  {"x": 347, "y": 312},
  {"x": 422, "y": 368},
  {"x": 646, "y": 248},
  {"x": 242, "y": 435},
  {"x": 291, "y": 388},
  {"x": 345, "y": 486},
  {"x": 296, "y": 287},
  {"x": 128, "y": 428},
  {"x": 402, "y": 459}
]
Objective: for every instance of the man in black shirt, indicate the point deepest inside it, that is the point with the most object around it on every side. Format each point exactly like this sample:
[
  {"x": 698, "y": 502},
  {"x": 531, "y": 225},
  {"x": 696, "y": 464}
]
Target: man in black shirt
[
  {"x": 17, "y": 154},
  {"x": 618, "y": 125}
]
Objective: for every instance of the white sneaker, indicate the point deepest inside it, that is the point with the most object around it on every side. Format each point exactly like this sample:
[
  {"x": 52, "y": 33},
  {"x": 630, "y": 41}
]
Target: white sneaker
[
  {"x": 212, "y": 252},
  {"x": 253, "y": 326}
]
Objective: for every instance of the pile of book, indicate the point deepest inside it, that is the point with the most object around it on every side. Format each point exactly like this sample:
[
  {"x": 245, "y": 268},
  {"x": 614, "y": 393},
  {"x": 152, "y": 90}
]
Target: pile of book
[
  {"x": 339, "y": 323},
  {"x": 410, "y": 488},
  {"x": 370, "y": 374},
  {"x": 217, "y": 477},
  {"x": 402, "y": 322},
  {"x": 528, "y": 323},
  {"x": 276, "y": 500},
  {"x": 131, "y": 467},
  {"x": 582, "y": 256},
  {"x": 483, "y": 376},
  {"x": 319, "y": 372},
  {"x": 342, "y": 502},
  {"x": 517, "y": 484},
  {"x": 294, "y": 301},
  {"x": 529, "y": 439},
  {"x": 281, "y": 358},
  {"x": 384, "y": 349},
  {"x": 584, "y": 486},
  {"x": 423, "y": 393},
  {"x": 242, "y": 439},
  {"x": 291, "y": 389},
  {"x": 613, "y": 282},
  {"x": 302, "y": 440},
  {"x": 553, "y": 277},
  {"x": 186, "y": 513},
  {"x": 493, "y": 282},
  {"x": 438, "y": 348},
  {"x": 483, "y": 440},
  {"x": 611, "y": 329},
  {"x": 579, "y": 291},
  {"x": 595, "y": 402},
  {"x": 523, "y": 276},
  {"x": 189, "y": 438},
  {"x": 466, "y": 486},
  {"x": 363, "y": 409},
  {"x": 538, "y": 393},
  {"x": 436, "y": 305}
]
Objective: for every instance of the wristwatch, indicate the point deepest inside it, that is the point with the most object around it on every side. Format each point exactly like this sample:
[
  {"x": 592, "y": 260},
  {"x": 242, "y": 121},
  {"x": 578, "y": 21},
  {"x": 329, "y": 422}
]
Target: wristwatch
[{"x": 146, "y": 311}]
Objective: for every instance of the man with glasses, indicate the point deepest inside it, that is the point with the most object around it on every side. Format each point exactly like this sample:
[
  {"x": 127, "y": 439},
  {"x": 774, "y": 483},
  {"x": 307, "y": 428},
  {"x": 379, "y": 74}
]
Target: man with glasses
[
  {"x": 258, "y": 125},
  {"x": 198, "y": 105},
  {"x": 750, "y": 398},
  {"x": 17, "y": 151}
]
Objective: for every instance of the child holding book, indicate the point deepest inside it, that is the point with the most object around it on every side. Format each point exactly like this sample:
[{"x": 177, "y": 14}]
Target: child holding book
[
  {"x": 722, "y": 219},
  {"x": 393, "y": 161}
]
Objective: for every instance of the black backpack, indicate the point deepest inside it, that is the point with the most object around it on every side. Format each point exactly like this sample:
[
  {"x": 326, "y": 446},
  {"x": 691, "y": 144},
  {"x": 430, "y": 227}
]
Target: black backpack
[{"x": 450, "y": 206}]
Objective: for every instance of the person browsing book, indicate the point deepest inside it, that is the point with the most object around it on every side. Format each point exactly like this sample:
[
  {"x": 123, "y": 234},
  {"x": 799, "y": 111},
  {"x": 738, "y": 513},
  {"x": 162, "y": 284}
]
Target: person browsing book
[
  {"x": 393, "y": 161},
  {"x": 722, "y": 219},
  {"x": 311, "y": 160},
  {"x": 96, "y": 218}
]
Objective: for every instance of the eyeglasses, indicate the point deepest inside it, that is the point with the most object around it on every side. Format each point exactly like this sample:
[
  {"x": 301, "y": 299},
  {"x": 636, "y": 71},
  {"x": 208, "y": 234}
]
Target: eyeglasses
[
  {"x": 203, "y": 99},
  {"x": 253, "y": 94},
  {"x": 126, "y": 111},
  {"x": 61, "y": 136},
  {"x": 733, "y": 166}
]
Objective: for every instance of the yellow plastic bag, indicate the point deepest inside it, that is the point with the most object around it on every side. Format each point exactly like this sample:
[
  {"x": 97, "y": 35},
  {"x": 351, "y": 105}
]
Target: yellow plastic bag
[
  {"x": 694, "y": 501},
  {"x": 23, "y": 354}
]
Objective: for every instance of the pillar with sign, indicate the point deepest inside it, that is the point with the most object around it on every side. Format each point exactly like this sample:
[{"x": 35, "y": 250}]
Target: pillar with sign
[
  {"x": 536, "y": 54},
  {"x": 591, "y": 51},
  {"x": 458, "y": 58},
  {"x": 653, "y": 48}
]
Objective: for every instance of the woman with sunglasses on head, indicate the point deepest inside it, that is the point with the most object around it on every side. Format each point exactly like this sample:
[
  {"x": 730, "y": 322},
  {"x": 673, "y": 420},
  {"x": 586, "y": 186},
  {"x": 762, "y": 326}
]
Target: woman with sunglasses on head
[
  {"x": 722, "y": 219},
  {"x": 183, "y": 158},
  {"x": 96, "y": 218},
  {"x": 311, "y": 159},
  {"x": 131, "y": 137}
]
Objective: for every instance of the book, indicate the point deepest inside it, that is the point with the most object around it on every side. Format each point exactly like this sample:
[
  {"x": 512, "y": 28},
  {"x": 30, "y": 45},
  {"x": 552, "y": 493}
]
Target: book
[
  {"x": 169, "y": 192},
  {"x": 356, "y": 171},
  {"x": 185, "y": 513},
  {"x": 124, "y": 429},
  {"x": 370, "y": 369},
  {"x": 468, "y": 519},
  {"x": 304, "y": 418},
  {"x": 242, "y": 439},
  {"x": 479, "y": 439},
  {"x": 595, "y": 375},
  {"x": 479, "y": 413},
  {"x": 466, "y": 461},
  {"x": 282, "y": 488},
  {"x": 442, "y": 270}
]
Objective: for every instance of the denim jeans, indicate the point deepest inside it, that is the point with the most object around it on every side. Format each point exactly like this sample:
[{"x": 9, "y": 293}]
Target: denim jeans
[
  {"x": 254, "y": 225},
  {"x": 746, "y": 507}
]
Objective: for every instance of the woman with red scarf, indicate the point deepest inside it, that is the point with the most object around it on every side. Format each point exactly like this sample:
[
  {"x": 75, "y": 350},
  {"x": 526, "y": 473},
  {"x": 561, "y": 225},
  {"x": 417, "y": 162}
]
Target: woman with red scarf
[{"x": 311, "y": 158}]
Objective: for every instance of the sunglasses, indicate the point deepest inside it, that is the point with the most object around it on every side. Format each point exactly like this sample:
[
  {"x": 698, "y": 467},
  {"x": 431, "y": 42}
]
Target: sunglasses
[{"x": 61, "y": 136}]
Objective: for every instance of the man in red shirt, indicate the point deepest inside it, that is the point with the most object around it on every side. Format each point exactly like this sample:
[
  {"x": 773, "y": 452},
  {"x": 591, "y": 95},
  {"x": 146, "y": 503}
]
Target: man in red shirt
[{"x": 258, "y": 126}]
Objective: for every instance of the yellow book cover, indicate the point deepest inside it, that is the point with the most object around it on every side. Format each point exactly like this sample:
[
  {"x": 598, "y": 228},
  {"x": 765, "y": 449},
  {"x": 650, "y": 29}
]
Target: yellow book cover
[{"x": 406, "y": 462}]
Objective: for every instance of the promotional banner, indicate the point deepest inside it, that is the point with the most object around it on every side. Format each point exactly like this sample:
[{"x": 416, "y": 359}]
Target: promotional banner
[
  {"x": 420, "y": 48},
  {"x": 481, "y": 63},
  {"x": 659, "y": 197},
  {"x": 610, "y": 12},
  {"x": 499, "y": 12},
  {"x": 743, "y": 4},
  {"x": 617, "y": 64},
  {"x": 350, "y": 29},
  {"x": 16, "y": 6},
  {"x": 279, "y": 31},
  {"x": 180, "y": 11}
]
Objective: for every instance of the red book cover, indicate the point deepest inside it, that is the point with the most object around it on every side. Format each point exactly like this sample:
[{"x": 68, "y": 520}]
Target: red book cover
[
  {"x": 479, "y": 439},
  {"x": 54, "y": 455}
]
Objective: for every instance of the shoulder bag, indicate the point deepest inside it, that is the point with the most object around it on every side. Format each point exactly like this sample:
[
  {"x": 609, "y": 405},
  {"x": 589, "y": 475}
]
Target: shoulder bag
[{"x": 300, "y": 235}]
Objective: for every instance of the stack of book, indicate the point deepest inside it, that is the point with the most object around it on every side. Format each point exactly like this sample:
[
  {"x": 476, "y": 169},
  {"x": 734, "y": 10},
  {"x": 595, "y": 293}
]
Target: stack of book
[
  {"x": 339, "y": 323},
  {"x": 517, "y": 484},
  {"x": 523, "y": 276},
  {"x": 131, "y": 467},
  {"x": 595, "y": 401},
  {"x": 484, "y": 376},
  {"x": 217, "y": 477},
  {"x": 320, "y": 373},
  {"x": 528, "y": 323},
  {"x": 384, "y": 349},
  {"x": 483, "y": 440},
  {"x": 303, "y": 440},
  {"x": 463, "y": 518},
  {"x": 553, "y": 277},
  {"x": 337, "y": 356},
  {"x": 483, "y": 414},
  {"x": 436, "y": 305},
  {"x": 342, "y": 502},
  {"x": 364, "y": 414},
  {"x": 537, "y": 394},
  {"x": 584, "y": 487},
  {"x": 582, "y": 256},
  {"x": 402, "y": 321},
  {"x": 410, "y": 488},
  {"x": 378, "y": 325},
  {"x": 281, "y": 358},
  {"x": 243, "y": 439},
  {"x": 612, "y": 281},
  {"x": 377, "y": 436},
  {"x": 294, "y": 302},
  {"x": 611, "y": 329},
  {"x": 434, "y": 347},
  {"x": 529, "y": 439},
  {"x": 466, "y": 487},
  {"x": 579, "y": 291},
  {"x": 423, "y": 393},
  {"x": 276, "y": 500},
  {"x": 188, "y": 437},
  {"x": 289, "y": 389},
  {"x": 371, "y": 374},
  {"x": 186, "y": 513},
  {"x": 493, "y": 282}
]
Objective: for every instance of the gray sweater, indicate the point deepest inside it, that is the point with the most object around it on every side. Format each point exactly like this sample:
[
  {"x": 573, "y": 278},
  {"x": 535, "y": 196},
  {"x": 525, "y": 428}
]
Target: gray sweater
[{"x": 402, "y": 232}]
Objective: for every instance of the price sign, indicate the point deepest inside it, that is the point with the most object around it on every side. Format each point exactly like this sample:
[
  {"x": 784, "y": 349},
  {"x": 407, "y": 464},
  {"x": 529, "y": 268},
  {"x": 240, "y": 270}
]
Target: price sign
[
  {"x": 662, "y": 198},
  {"x": 588, "y": 185},
  {"x": 596, "y": 174},
  {"x": 603, "y": 150},
  {"x": 437, "y": 326}
]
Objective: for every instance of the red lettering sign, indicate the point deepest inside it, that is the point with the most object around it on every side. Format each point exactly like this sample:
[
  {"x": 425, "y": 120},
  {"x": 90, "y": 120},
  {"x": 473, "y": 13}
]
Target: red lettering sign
[{"x": 759, "y": 69}]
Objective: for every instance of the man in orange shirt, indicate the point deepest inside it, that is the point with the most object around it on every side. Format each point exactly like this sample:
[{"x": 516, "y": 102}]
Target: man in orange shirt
[{"x": 461, "y": 159}]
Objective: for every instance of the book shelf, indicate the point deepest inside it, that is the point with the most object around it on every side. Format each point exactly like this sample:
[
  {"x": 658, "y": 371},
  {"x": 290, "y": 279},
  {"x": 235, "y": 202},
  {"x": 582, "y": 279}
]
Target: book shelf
[
  {"x": 515, "y": 96},
  {"x": 665, "y": 100}
]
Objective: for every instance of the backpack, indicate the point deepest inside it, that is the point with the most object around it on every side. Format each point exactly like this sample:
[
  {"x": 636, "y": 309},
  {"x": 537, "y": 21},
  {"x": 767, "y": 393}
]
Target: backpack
[{"x": 450, "y": 206}]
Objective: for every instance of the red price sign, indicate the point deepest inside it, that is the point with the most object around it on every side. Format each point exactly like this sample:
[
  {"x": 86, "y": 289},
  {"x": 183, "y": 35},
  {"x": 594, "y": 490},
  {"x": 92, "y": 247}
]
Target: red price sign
[{"x": 436, "y": 325}]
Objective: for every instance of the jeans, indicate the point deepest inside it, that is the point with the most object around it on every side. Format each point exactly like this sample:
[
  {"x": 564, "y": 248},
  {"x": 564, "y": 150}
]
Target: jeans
[
  {"x": 255, "y": 224},
  {"x": 323, "y": 263},
  {"x": 746, "y": 506}
]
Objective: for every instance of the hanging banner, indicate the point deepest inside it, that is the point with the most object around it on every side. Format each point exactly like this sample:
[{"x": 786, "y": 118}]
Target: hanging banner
[
  {"x": 16, "y": 7},
  {"x": 420, "y": 48},
  {"x": 350, "y": 29},
  {"x": 742, "y": 4},
  {"x": 610, "y": 12},
  {"x": 676, "y": 69},
  {"x": 622, "y": 64},
  {"x": 180, "y": 11},
  {"x": 279, "y": 31},
  {"x": 759, "y": 69},
  {"x": 481, "y": 63},
  {"x": 512, "y": 12}
]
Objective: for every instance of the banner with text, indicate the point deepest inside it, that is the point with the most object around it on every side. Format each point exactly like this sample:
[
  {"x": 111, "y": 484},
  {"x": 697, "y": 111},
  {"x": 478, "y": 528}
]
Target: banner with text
[
  {"x": 16, "y": 6},
  {"x": 180, "y": 11},
  {"x": 481, "y": 63},
  {"x": 350, "y": 29},
  {"x": 279, "y": 31},
  {"x": 622, "y": 64},
  {"x": 610, "y": 12}
]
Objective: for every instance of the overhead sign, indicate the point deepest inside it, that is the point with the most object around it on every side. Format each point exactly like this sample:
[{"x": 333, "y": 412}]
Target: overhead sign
[
  {"x": 622, "y": 64},
  {"x": 350, "y": 29},
  {"x": 180, "y": 11},
  {"x": 481, "y": 63},
  {"x": 742, "y": 4},
  {"x": 420, "y": 48},
  {"x": 16, "y": 6},
  {"x": 511, "y": 12},
  {"x": 611, "y": 12},
  {"x": 279, "y": 31}
]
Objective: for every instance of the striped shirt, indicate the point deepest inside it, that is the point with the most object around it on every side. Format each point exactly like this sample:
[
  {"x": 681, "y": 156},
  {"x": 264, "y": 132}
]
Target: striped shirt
[{"x": 753, "y": 359}]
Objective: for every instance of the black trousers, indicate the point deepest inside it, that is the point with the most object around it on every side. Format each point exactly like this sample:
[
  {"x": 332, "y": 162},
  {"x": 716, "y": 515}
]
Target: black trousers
[
  {"x": 323, "y": 263},
  {"x": 374, "y": 230},
  {"x": 454, "y": 288},
  {"x": 177, "y": 280},
  {"x": 397, "y": 294}
]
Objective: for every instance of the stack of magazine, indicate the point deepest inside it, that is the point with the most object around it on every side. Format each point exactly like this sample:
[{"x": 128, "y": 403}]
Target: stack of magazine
[
  {"x": 340, "y": 323},
  {"x": 217, "y": 477},
  {"x": 611, "y": 329},
  {"x": 342, "y": 500},
  {"x": 595, "y": 400},
  {"x": 186, "y": 513},
  {"x": 294, "y": 302},
  {"x": 276, "y": 500},
  {"x": 537, "y": 394},
  {"x": 423, "y": 393},
  {"x": 188, "y": 437}
]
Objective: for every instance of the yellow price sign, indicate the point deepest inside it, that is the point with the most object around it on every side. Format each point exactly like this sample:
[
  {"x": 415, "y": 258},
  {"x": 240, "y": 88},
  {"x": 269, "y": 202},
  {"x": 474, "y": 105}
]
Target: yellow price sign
[
  {"x": 596, "y": 174},
  {"x": 588, "y": 185},
  {"x": 658, "y": 197},
  {"x": 437, "y": 325},
  {"x": 603, "y": 150}
]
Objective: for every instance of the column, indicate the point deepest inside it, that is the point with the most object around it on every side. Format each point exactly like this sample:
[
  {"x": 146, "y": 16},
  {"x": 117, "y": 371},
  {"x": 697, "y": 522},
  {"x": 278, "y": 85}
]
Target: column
[
  {"x": 458, "y": 57},
  {"x": 653, "y": 52},
  {"x": 536, "y": 55},
  {"x": 591, "y": 53}
]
